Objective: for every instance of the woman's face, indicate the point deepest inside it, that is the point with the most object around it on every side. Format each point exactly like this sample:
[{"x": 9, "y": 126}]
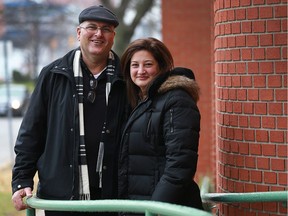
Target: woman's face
[{"x": 143, "y": 69}]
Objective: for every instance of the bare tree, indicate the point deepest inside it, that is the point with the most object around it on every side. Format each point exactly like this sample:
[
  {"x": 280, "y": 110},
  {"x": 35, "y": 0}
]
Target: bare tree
[
  {"x": 32, "y": 26},
  {"x": 125, "y": 31}
]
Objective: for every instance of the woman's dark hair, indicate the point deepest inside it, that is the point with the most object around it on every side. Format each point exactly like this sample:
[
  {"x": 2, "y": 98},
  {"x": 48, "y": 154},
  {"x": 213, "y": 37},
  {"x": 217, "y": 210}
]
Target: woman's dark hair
[{"x": 158, "y": 50}]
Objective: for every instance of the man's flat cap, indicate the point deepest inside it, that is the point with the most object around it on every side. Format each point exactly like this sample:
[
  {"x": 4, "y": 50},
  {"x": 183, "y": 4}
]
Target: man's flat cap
[{"x": 98, "y": 13}]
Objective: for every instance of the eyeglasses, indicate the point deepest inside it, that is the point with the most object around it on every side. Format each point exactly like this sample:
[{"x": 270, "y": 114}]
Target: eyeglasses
[
  {"x": 94, "y": 29},
  {"x": 92, "y": 94}
]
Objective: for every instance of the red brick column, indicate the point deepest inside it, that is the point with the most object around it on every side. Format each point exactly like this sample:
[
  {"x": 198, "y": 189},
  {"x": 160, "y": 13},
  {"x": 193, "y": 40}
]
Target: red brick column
[{"x": 251, "y": 100}]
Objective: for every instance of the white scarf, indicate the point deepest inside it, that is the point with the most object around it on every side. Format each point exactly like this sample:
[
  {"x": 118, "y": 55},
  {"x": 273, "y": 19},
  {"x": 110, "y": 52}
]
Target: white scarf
[{"x": 84, "y": 191}]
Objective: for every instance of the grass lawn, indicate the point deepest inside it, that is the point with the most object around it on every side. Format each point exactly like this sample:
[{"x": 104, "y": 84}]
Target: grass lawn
[{"x": 6, "y": 206}]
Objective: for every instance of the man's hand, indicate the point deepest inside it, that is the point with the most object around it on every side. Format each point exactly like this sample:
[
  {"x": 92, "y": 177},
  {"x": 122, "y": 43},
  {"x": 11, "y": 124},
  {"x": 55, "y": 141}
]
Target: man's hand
[{"x": 18, "y": 196}]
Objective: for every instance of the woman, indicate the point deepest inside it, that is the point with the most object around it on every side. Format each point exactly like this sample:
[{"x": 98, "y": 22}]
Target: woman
[{"x": 158, "y": 155}]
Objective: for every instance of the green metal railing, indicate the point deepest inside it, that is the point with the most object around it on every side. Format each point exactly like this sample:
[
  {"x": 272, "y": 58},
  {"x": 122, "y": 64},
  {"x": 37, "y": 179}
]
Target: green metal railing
[
  {"x": 153, "y": 208},
  {"x": 272, "y": 196},
  {"x": 150, "y": 208}
]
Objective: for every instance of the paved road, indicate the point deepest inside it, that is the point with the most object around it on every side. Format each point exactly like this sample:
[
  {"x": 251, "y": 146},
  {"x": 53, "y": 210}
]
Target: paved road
[{"x": 8, "y": 133}]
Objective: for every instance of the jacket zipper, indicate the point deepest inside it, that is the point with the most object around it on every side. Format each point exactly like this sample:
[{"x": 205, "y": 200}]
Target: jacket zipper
[
  {"x": 149, "y": 124},
  {"x": 59, "y": 70},
  {"x": 171, "y": 121}
]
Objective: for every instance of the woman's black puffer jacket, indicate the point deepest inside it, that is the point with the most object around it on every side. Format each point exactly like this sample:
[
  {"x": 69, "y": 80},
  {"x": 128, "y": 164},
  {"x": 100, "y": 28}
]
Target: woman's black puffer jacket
[{"x": 159, "y": 146}]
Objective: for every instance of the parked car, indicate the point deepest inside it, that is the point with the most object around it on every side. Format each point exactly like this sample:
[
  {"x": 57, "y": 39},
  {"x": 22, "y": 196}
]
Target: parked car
[{"x": 19, "y": 99}]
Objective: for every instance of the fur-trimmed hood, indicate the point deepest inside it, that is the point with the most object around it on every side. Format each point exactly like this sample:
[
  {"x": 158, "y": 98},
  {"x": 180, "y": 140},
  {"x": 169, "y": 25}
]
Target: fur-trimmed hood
[
  {"x": 180, "y": 81},
  {"x": 178, "y": 78}
]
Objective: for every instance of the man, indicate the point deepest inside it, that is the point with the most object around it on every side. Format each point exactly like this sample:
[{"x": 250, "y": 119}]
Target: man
[{"x": 71, "y": 131}]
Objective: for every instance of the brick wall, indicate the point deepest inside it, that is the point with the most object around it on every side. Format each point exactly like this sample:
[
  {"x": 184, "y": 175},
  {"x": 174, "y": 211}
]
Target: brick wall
[
  {"x": 187, "y": 31},
  {"x": 251, "y": 91}
]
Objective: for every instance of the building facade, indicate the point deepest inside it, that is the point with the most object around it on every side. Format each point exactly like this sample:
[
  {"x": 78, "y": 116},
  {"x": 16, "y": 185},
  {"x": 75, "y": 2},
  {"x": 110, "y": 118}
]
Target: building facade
[
  {"x": 238, "y": 51},
  {"x": 187, "y": 28}
]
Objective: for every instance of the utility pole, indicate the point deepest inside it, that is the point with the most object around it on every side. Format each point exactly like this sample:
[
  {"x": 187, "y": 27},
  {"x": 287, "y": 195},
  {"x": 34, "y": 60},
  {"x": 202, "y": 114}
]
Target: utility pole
[{"x": 9, "y": 114}]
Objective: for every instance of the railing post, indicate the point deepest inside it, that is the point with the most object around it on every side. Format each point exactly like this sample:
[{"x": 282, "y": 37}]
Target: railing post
[{"x": 30, "y": 212}]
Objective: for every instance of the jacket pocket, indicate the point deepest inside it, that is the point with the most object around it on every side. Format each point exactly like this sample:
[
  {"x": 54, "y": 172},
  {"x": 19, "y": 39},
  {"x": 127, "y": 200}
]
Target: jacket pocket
[{"x": 156, "y": 179}]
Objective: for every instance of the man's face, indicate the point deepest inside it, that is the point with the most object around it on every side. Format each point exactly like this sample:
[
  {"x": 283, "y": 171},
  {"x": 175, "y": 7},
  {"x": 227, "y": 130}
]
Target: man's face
[{"x": 96, "y": 38}]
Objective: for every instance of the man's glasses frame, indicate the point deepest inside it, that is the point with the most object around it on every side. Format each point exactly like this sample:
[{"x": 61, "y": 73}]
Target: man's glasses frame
[{"x": 93, "y": 29}]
